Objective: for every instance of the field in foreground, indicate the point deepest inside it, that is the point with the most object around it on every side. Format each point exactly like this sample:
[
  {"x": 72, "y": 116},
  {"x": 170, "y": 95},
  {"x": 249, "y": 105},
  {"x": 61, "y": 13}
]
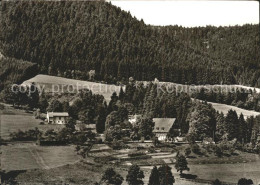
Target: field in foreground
[
  {"x": 89, "y": 173},
  {"x": 28, "y": 155}
]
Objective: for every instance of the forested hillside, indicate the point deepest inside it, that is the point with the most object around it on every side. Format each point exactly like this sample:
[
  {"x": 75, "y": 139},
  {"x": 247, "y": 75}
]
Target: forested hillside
[
  {"x": 15, "y": 71},
  {"x": 70, "y": 38}
]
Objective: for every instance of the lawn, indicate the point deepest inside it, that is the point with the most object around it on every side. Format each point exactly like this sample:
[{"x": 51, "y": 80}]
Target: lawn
[
  {"x": 13, "y": 123},
  {"x": 28, "y": 155},
  {"x": 12, "y": 120},
  {"x": 62, "y": 85},
  {"x": 50, "y": 161},
  {"x": 227, "y": 172}
]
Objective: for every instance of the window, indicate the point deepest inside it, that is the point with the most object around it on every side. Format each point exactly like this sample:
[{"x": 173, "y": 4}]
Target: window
[
  {"x": 157, "y": 128},
  {"x": 162, "y": 128},
  {"x": 60, "y": 118}
]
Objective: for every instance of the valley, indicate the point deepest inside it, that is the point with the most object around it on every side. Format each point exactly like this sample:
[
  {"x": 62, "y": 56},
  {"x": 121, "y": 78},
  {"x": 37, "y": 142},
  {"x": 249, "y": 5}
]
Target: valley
[{"x": 91, "y": 94}]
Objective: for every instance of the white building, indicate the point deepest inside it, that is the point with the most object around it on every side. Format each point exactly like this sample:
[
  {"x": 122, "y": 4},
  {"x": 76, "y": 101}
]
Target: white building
[{"x": 57, "y": 117}]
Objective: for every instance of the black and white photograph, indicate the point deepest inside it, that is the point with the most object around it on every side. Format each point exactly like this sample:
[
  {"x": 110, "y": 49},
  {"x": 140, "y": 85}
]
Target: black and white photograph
[{"x": 129, "y": 92}]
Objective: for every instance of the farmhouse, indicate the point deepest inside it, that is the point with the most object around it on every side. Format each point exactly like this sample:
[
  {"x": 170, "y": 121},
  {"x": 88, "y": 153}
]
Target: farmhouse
[
  {"x": 57, "y": 117},
  {"x": 162, "y": 127}
]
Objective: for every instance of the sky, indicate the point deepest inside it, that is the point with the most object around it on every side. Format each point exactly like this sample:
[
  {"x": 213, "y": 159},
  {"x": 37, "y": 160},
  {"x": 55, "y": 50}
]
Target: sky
[{"x": 192, "y": 13}]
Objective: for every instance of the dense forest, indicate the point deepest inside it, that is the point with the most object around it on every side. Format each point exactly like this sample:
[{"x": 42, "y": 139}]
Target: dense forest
[
  {"x": 71, "y": 38},
  {"x": 15, "y": 71}
]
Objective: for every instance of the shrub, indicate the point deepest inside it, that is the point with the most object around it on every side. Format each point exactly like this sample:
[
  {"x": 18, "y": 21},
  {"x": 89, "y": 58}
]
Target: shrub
[
  {"x": 118, "y": 145},
  {"x": 151, "y": 150},
  {"x": 2, "y": 107},
  {"x": 195, "y": 148},
  {"x": 244, "y": 181},
  {"x": 218, "y": 151},
  {"x": 136, "y": 154},
  {"x": 187, "y": 151},
  {"x": 209, "y": 147},
  {"x": 30, "y": 135},
  {"x": 99, "y": 141},
  {"x": 126, "y": 139},
  {"x": 216, "y": 182}
]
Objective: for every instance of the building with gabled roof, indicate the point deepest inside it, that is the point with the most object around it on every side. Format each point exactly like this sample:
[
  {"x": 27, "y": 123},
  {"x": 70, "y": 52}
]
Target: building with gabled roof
[
  {"x": 162, "y": 127},
  {"x": 57, "y": 117}
]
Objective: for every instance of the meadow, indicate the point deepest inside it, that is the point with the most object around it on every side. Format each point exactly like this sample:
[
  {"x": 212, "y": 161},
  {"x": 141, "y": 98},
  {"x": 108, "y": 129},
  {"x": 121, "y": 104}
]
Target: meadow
[
  {"x": 28, "y": 155},
  {"x": 13, "y": 123},
  {"x": 225, "y": 108},
  {"x": 56, "y": 85}
]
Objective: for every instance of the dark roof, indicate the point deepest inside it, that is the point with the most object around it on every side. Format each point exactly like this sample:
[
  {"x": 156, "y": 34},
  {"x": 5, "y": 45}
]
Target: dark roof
[
  {"x": 164, "y": 124},
  {"x": 55, "y": 114}
]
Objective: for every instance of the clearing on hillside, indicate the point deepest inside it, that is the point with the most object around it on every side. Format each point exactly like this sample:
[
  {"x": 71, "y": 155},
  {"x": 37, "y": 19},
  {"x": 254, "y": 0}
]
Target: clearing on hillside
[
  {"x": 225, "y": 108},
  {"x": 54, "y": 84}
]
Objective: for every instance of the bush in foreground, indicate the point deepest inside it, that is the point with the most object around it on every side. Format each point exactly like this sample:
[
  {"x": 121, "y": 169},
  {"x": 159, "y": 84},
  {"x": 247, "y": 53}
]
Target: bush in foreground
[
  {"x": 111, "y": 177},
  {"x": 244, "y": 181},
  {"x": 135, "y": 176},
  {"x": 181, "y": 164}
]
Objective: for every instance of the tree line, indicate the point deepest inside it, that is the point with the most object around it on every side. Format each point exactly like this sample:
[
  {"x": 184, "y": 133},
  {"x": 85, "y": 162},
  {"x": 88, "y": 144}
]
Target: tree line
[{"x": 195, "y": 119}]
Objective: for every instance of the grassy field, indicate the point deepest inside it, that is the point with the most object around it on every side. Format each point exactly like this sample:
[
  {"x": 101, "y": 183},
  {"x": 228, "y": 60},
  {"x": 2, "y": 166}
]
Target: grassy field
[
  {"x": 56, "y": 84},
  {"x": 28, "y": 155},
  {"x": 229, "y": 173},
  {"x": 225, "y": 108},
  {"x": 206, "y": 168},
  {"x": 77, "y": 173},
  {"x": 80, "y": 173},
  {"x": 12, "y": 120},
  {"x": 57, "y": 165},
  {"x": 24, "y": 156}
]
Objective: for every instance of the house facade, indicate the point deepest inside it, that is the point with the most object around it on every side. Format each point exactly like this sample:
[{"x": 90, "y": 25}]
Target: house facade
[
  {"x": 162, "y": 127},
  {"x": 57, "y": 117}
]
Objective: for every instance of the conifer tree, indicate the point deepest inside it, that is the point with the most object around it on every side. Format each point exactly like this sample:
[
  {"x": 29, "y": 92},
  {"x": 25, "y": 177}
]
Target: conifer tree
[{"x": 154, "y": 177}]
